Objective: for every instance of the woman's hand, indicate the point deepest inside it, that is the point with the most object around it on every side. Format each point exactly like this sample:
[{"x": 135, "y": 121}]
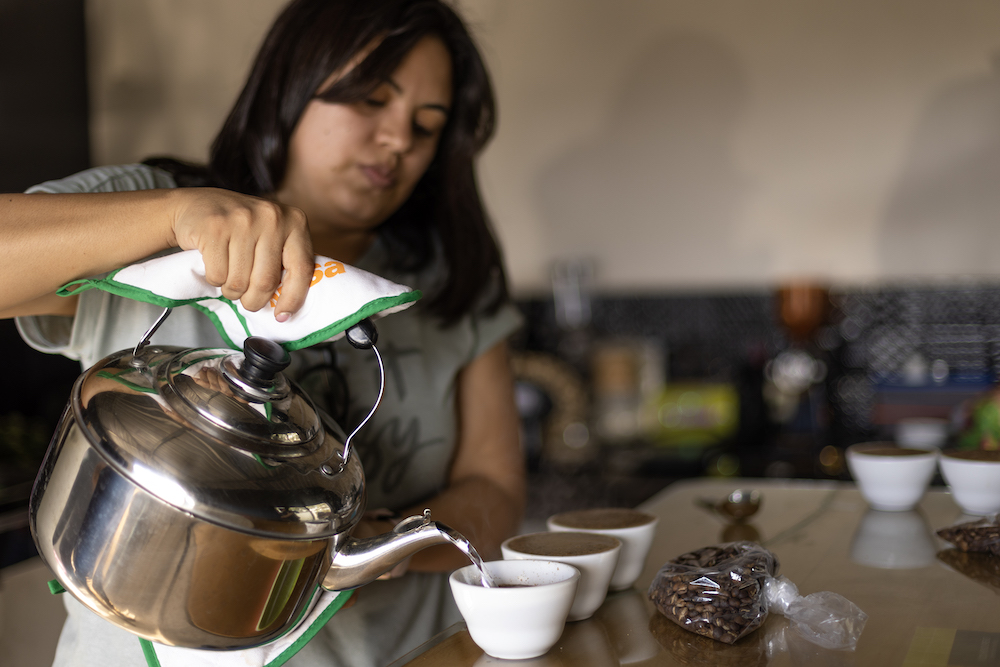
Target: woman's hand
[
  {"x": 250, "y": 246},
  {"x": 48, "y": 240}
]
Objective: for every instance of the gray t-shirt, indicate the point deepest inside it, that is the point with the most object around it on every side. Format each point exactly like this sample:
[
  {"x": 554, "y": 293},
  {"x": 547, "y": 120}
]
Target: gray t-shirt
[{"x": 405, "y": 449}]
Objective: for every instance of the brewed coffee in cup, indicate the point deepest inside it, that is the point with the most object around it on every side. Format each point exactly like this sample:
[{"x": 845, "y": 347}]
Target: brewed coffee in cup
[{"x": 521, "y": 617}]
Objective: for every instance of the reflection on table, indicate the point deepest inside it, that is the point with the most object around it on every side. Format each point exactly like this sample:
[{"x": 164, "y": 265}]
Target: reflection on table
[{"x": 927, "y": 603}]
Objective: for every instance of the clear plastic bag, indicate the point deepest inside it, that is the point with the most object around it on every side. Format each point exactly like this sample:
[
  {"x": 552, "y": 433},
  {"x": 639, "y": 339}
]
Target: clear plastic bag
[
  {"x": 725, "y": 592},
  {"x": 827, "y": 619}
]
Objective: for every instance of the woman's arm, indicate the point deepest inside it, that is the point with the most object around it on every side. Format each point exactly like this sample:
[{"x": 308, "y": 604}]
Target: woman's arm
[
  {"x": 486, "y": 493},
  {"x": 47, "y": 240}
]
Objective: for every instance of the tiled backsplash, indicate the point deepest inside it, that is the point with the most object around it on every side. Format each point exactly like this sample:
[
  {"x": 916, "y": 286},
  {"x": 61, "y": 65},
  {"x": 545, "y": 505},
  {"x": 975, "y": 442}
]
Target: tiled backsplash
[
  {"x": 877, "y": 340},
  {"x": 705, "y": 335}
]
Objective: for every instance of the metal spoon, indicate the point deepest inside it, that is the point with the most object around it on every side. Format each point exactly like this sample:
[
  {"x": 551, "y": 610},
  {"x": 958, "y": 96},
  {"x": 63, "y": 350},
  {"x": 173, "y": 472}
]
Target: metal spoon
[{"x": 739, "y": 505}]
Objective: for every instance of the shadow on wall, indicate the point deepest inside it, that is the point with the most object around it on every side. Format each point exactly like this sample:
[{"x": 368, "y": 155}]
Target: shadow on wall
[
  {"x": 945, "y": 211},
  {"x": 657, "y": 185}
]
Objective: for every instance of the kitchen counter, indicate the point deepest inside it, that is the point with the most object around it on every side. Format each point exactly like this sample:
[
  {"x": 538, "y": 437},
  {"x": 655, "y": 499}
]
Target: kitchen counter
[{"x": 926, "y": 604}]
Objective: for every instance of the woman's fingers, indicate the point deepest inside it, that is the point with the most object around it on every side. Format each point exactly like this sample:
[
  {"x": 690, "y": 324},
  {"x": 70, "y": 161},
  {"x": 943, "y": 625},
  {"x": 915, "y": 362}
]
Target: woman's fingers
[
  {"x": 242, "y": 247},
  {"x": 268, "y": 273},
  {"x": 211, "y": 237},
  {"x": 298, "y": 259},
  {"x": 250, "y": 246}
]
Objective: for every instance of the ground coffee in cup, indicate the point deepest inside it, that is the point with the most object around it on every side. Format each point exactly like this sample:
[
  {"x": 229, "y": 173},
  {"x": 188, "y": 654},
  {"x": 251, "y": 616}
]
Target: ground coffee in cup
[
  {"x": 611, "y": 518},
  {"x": 974, "y": 454},
  {"x": 893, "y": 451},
  {"x": 558, "y": 545}
]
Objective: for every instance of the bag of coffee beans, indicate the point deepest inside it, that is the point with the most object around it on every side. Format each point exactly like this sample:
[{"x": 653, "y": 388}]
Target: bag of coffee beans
[
  {"x": 982, "y": 536},
  {"x": 717, "y": 591},
  {"x": 726, "y": 591}
]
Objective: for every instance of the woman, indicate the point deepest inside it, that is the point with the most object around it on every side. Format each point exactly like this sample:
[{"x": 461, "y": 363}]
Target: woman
[{"x": 354, "y": 138}]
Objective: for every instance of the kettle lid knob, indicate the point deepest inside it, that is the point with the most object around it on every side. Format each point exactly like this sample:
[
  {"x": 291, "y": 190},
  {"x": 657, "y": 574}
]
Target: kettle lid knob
[
  {"x": 263, "y": 359},
  {"x": 362, "y": 335}
]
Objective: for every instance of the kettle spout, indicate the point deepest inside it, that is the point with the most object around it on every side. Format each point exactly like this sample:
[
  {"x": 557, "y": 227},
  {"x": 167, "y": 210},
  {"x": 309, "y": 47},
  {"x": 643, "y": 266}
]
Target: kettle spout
[{"x": 360, "y": 561}]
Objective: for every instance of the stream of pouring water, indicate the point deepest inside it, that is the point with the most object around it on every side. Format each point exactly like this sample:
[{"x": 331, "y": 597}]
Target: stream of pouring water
[{"x": 466, "y": 547}]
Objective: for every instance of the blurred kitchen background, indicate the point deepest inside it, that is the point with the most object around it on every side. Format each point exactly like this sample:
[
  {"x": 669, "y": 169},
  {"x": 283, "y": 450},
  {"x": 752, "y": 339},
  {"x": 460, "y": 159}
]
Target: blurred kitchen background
[{"x": 744, "y": 234}]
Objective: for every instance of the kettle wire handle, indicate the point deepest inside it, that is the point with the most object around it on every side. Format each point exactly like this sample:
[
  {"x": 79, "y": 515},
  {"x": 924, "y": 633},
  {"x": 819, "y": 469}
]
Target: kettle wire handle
[
  {"x": 363, "y": 335},
  {"x": 149, "y": 332},
  {"x": 378, "y": 401}
]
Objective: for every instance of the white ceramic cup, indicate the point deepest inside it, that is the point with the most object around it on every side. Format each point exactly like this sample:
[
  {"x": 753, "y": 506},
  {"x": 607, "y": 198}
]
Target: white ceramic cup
[
  {"x": 891, "y": 479},
  {"x": 594, "y": 555},
  {"x": 522, "y": 620},
  {"x": 634, "y": 528},
  {"x": 893, "y": 540},
  {"x": 973, "y": 477}
]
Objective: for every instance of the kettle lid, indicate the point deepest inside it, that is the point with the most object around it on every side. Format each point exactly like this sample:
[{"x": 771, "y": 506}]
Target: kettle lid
[{"x": 222, "y": 435}]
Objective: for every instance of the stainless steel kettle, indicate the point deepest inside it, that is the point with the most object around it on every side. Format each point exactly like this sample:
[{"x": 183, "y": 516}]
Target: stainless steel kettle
[{"x": 197, "y": 498}]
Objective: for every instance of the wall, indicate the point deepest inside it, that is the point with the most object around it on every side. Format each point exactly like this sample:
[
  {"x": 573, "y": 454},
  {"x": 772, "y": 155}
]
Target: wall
[
  {"x": 712, "y": 145},
  {"x": 43, "y": 91},
  {"x": 163, "y": 73}
]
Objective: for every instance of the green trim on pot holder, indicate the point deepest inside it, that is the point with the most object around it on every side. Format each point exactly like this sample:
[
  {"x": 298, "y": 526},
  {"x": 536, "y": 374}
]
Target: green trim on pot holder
[
  {"x": 373, "y": 307},
  {"x": 369, "y": 309},
  {"x": 149, "y": 649},
  {"x": 310, "y": 632},
  {"x": 149, "y": 652},
  {"x": 108, "y": 284}
]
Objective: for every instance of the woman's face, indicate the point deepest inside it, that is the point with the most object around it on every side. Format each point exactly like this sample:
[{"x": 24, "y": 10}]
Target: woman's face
[{"x": 352, "y": 165}]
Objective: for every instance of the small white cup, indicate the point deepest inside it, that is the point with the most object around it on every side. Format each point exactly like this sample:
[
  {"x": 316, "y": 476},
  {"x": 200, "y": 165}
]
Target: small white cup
[
  {"x": 522, "y": 620},
  {"x": 635, "y": 529},
  {"x": 594, "y": 555},
  {"x": 891, "y": 479},
  {"x": 974, "y": 480},
  {"x": 893, "y": 540}
]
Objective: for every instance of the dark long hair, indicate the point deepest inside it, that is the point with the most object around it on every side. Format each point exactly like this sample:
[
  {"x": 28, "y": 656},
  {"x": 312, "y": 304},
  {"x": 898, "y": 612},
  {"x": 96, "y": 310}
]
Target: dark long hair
[{"x": 309, "y": 41}]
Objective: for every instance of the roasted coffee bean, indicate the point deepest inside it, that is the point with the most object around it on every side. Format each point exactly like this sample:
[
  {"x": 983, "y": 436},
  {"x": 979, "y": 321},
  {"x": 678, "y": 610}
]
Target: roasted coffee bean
[{"x": 716, "y": 591}]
